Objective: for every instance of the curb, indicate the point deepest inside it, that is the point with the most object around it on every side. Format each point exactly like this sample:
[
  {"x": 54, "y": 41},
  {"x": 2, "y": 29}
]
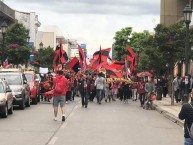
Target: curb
[{"x": 169, "y": 116}]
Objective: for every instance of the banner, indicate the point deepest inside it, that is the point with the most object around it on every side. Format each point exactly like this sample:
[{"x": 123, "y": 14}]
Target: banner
[{"x": 117, "y": 80}]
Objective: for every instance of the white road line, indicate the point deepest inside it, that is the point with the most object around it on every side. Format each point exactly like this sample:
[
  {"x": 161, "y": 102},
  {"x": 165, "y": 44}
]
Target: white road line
[
  {"x": 76, "y": 106},
  {"x": 52, "y": 141},
  {"x": 71, "y": 114},
  {"x": 64, "y": 125}
]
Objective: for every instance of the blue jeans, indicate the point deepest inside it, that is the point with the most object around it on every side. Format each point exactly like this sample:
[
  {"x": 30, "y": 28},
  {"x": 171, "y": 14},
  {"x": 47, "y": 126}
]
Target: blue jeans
[
  {"x": 99, "y": 95},
  {"x": 188, "y": 141}
]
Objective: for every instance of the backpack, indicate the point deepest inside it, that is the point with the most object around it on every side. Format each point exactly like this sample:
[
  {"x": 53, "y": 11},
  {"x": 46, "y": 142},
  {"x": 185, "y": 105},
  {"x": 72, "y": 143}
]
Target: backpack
[
  {"x": 190, "y": 131},
  {"x": 59, "y": 87}
]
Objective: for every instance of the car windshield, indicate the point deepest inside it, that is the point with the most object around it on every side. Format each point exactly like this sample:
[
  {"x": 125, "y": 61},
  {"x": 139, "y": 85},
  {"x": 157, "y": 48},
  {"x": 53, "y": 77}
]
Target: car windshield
[
  {"x": 29, "y": 77},
  {"x": 12, "y": 79},
  {"x": 1, "y": 88}
]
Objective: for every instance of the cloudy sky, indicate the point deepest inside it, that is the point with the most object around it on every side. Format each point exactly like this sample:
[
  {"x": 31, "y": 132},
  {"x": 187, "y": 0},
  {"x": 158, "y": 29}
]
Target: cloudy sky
[{"x": 93, "y": 22}]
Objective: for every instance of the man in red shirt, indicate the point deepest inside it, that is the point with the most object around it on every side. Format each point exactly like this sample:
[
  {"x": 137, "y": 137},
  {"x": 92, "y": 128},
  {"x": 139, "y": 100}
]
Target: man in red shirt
[{"x": 60, "y": 89}]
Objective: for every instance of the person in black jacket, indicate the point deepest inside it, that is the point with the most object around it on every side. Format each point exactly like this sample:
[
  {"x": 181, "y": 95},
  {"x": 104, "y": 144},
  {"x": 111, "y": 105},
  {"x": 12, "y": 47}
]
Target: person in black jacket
[{"x": 187, "y": 114}]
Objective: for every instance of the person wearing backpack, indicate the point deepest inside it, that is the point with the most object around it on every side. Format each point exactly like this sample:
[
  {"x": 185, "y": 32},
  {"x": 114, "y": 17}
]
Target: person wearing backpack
[
  {"x": 59, "y": 97},
  {"x": 187, "y": 114}
]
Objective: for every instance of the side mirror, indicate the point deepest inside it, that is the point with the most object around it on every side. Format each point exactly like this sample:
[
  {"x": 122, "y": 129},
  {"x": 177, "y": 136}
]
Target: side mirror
[{"x": 8, "y": 90}]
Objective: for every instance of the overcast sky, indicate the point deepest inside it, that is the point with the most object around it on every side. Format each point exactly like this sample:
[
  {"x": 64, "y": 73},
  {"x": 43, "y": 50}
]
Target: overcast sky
[{"x": 93, "y": 22}]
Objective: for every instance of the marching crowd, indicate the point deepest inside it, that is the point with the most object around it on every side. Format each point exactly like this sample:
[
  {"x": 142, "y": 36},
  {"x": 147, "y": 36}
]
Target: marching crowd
[{"x": 90, "y": 86}]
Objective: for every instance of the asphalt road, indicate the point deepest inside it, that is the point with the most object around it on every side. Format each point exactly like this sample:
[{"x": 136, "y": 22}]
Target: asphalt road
[{"x": 112, "y": 123}]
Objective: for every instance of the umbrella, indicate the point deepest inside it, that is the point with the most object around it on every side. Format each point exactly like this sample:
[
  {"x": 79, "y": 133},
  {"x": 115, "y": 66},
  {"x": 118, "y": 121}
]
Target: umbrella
[{"x": 142, "y": 74}]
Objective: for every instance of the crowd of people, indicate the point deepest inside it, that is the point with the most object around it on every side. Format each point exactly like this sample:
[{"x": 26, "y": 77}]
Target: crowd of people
[{"x": 65, "y": 86}]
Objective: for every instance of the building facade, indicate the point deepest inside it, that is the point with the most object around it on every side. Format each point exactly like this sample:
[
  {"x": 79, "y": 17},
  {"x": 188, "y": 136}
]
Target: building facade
[
  {"x": 7, "y": 14},
  {"x": 31, "y": 22},
  {"x": 172, "y": 11}
]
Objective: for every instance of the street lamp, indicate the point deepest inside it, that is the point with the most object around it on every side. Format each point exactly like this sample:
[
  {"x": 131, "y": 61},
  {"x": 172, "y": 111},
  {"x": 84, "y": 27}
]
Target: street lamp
[
  {"x": 187, "y": 18},
  {"x": 3, "y": 31},
  {"x": 28, "y": 38}
]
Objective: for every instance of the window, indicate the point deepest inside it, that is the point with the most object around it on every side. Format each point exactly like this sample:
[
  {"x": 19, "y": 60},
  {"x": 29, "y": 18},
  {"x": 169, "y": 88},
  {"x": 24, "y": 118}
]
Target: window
[
  {"x": 12, "y": 79},
  {"x": 29, "y": 77}
]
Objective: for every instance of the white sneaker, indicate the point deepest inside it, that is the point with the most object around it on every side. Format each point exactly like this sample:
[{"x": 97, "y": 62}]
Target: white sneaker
[
  {"x": 66, "y": 102},
  {"x": 55, "y": 119}
]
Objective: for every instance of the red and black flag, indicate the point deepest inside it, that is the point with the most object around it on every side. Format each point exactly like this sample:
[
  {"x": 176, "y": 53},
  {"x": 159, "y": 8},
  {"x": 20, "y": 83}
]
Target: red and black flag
[
  {"x": 119, "y": 65},
  {"x": 100, "y": 56},
  {"x": 130, "y": 54},
  {"x": 104, "y": 55},
  {"x": 83, "y": 63},
  {"x": 112, "y": 72},
  {"x": 74, "y": 64},
  {"x": 60, "y": 55}
]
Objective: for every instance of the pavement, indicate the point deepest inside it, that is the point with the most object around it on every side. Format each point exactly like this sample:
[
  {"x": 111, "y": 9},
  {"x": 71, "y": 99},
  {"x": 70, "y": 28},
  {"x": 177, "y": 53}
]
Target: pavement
[{"x": 171, "y": 112}]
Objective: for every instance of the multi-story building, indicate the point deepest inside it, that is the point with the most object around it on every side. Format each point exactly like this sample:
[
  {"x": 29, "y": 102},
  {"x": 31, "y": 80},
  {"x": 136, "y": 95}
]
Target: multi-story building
[
  {"x": 50, "y": 36},
  {"x": 6, "y": 14},
  {"x": 30, "y": 21},
  {"x": 172, "y": 11}
]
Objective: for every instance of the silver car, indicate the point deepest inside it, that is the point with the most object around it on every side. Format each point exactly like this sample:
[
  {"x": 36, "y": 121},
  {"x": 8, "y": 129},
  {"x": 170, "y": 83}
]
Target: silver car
[
  {"x": 19, "y": 87},
  {"x": 6, "y": 99}
]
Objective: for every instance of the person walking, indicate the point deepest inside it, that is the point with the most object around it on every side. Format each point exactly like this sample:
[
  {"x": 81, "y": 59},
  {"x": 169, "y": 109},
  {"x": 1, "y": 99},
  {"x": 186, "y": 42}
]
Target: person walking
[
  {"x": 59, "y": 96},
  {"x": 99, "y": 83},
  {"x": 176, "y": 86},
  {"x": 141, "y": 91},
  {"x": 84, "y": 90},
  {"x": 186, "y": 114}
]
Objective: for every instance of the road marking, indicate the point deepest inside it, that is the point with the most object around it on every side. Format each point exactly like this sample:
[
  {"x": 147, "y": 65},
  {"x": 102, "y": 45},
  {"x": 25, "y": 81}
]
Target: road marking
[
  {"x": 52, "y": 141},
  {"x": 64, "y": 126},
  {"x": 76, "y": 106},
  {"x": 71, "y": 114}
]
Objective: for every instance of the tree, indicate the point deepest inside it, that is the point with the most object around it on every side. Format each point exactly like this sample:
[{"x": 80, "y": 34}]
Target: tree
[
  {"x": 45, "y": 57},
  {"x": 17, "y": 50},
  {"x": 121, "y": 40}
]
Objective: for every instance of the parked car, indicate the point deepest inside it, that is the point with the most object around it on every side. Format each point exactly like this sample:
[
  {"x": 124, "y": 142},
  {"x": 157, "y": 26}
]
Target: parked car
[
  {"x": 6, "y": 99},
  {"x": 33, "y": 82},
  {"x": 19, "y": 86}
]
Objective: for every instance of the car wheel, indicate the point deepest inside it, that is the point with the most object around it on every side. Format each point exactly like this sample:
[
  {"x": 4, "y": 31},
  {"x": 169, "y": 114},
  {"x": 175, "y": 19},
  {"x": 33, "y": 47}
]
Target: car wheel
[
  {"x": 5, "y": 112},
  {"x": 22, "y": 105},
  {"x": 10, "y": 111},
  {"x": 28, "y": 102}
]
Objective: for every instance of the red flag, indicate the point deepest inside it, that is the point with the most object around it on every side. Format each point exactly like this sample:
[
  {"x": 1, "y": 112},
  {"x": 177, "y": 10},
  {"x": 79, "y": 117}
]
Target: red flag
[
  {"x": 60, "y": 55},
  {"x": 74, "y": 64},
  {"x": 83, "y": 63},
  {"x": 112, "y": 72},
  {"x": 130, "y": 54},
  {"x": 118, "y": 65},
  {"x": 99, "y": 57}
]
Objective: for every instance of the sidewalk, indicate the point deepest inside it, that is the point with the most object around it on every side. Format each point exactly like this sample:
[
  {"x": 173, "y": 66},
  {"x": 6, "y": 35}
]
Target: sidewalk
[{"x": 171, "y": 112}]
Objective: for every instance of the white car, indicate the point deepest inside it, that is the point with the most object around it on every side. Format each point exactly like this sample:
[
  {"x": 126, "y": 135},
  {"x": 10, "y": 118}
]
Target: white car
[{"x": 6, "y": 99}]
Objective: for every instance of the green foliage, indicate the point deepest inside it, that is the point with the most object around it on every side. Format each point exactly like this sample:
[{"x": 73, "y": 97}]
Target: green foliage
[
  {"x": 45, "y": 57},
  {"x": 165, "y": 47},
  {"x": 16, "y": 48},
  {"x": 17, "y": 34},
  {"x": 121, "y": 40},
  {"x": 138, "y": 38},
  {"x": 18, "y": 55}
]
